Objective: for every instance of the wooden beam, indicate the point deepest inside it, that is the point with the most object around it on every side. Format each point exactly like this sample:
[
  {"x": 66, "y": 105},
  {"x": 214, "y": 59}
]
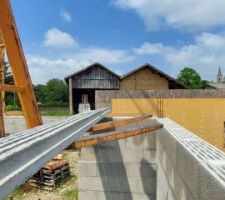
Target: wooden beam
[
  {"x": 18, "y": 65},
  {"x": 111, "y": 136},
  {"x": 71, "y": 95},
  {"x": 2, "y": 128},
  {"x": 10, "y": 88},
  {"x": 114, "y": 124}
]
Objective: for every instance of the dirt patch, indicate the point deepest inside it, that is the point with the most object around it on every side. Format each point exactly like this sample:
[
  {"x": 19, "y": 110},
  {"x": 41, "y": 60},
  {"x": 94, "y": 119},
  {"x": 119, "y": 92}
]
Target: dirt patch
[{"x": 66, "y": 191}]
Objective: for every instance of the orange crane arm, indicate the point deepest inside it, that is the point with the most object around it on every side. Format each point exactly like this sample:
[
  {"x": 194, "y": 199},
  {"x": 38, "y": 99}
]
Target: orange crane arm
[{"x": 18, "y": 65}]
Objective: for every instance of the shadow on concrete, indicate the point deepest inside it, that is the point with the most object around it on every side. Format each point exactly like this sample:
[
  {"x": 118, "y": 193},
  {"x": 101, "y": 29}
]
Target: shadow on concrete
[
  {"x": 147, "y": 171},
  {"x": 112, "y": 171}
]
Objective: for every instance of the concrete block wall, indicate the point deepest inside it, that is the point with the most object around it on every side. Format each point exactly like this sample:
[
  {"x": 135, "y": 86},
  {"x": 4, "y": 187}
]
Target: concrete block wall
[
  {"x": 187, "y": 166},
  {"x": 119, "y": 170},
  {"x": 171, "y": 164}
]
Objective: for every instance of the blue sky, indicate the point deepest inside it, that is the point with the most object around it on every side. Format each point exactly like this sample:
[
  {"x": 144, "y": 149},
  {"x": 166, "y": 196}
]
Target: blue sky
[{"x": 60, "y": 37}]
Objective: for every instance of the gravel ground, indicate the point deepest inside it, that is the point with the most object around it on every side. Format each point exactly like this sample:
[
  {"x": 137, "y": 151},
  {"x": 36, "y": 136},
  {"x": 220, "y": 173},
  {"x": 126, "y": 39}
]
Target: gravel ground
[{"x": 66, "y": 191}]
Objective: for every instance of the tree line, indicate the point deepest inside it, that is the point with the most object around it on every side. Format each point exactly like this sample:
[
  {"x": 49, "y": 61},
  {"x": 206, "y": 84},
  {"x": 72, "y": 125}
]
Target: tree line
[{"x": 52, "y": 94}]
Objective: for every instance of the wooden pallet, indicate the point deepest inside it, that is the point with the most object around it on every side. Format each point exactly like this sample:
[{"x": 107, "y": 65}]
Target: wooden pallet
[{"x": 51, "y": 175}]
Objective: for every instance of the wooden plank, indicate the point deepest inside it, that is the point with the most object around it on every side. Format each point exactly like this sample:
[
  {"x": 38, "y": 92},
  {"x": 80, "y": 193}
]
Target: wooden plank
[
  {"x": 53, "y": 165},
  {"x": 108, "y": 137},
  {"x": 114, "y": 124},
  {"x": 10, "y": 88}
]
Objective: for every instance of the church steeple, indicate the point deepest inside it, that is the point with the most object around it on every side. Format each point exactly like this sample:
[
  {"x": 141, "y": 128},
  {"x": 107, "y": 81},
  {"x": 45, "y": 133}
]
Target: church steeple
[{"x": 219, "y": 76}]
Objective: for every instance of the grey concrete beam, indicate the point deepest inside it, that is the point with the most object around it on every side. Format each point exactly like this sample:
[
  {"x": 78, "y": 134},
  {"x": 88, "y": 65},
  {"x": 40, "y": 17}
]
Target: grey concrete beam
[{"x": 23, "y": 154}]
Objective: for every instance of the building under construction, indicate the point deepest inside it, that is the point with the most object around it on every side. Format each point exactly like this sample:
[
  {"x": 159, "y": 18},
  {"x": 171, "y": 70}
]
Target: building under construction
[{"x": 154, "y": 143}]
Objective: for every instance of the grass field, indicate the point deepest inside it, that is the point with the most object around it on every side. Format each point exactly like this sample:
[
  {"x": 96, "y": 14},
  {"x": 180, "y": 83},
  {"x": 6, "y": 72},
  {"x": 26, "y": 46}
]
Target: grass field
[{"x": 49, "y": 111}]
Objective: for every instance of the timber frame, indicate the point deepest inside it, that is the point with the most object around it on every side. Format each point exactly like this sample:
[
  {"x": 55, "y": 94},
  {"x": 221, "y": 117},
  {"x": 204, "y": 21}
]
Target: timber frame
[{"x": 14, "y": 51}]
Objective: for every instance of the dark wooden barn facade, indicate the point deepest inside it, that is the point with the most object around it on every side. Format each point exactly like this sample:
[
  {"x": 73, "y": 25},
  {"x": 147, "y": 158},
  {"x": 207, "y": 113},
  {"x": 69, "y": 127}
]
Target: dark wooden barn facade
[{"x": 82, "y": 85}]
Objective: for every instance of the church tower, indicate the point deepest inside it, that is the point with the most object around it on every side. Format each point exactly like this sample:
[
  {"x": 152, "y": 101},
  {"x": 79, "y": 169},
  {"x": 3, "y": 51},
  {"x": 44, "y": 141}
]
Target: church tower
[{"x": 219, "y": 76}]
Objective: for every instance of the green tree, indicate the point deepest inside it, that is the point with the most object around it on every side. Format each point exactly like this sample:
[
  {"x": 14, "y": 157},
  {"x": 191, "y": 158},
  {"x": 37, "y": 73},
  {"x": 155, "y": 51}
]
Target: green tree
[
  {"x": 55, "y": 93},
  {"x": 190, "y": 78},
  {"x": 40, "y": 93},
  {"x": 11, "y": 98},
  {"x": 8, "y": 75}
]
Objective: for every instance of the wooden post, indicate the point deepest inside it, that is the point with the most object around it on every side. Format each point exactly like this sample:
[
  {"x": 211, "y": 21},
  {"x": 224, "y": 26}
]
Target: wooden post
[
  {"x": 2, "y": 129},
  {"x": 2, "y": 94},
  {"x": 2, "y": 69},
  {"x": 71, "y": 96}
]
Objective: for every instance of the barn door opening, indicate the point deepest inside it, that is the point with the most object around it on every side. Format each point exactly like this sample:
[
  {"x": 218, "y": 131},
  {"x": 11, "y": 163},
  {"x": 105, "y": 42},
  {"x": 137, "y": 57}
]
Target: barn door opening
[{"x": 83, "y": 97}]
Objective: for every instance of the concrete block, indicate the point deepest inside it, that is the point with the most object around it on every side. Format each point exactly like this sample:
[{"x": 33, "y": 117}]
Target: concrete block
[
  {"x": 111, "y": 169},
  {"x": 143, "y": 185},
  {"x": 138, "y": 196},
  {"x": 100, "y": 195},
  {"x": 87, "y": 154},
  {"x": 118, "y": 184},
  {"x": 189, "y": 170},
  {"x": 87, "y": 168},
  {"x": 90, "y": 183},
  {"x": 130, "y": 169},
  {"x": 149, "y": 156},
  {"x": 87, "y": 195},
  {"x": 179, "y": 188},
  {"x": 170, "y": 195},
  {"x": 110, "y": 195},
  {"x": 210, "y": 187},
  {"x": 145, "y": 170},
  {"x": 150, "y": 140},
  {"x": 162, "y": 183}
]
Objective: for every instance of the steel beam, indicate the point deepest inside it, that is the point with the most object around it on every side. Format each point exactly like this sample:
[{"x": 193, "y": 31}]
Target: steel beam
[{"x": 24, "y": 153}]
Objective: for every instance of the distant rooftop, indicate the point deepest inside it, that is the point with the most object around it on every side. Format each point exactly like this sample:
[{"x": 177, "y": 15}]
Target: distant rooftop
[{"x": 217, "y": 85}]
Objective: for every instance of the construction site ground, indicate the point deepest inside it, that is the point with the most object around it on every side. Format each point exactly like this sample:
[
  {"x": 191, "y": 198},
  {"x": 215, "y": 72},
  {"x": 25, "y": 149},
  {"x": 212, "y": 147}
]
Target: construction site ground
[{"x": 66, "y": 191}]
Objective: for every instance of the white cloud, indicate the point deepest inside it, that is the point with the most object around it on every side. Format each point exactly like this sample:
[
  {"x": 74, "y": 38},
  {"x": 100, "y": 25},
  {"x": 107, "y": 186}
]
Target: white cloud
[
  {"x": 186, "y": 15},
  {"x": 42, "y": 68},
  {"x": 66, "y": 16},
  {"x": 107, "y": 56},
  {"x": 152, "y": 48},
  {"x": 58, "y": 39},
  {"x": 205, "y": 54}
]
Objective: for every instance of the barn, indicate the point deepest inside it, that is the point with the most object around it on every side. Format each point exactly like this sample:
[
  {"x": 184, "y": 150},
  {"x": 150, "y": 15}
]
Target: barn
[
  {"x": 148, "y": 77},
  {"x": 83, "y": 83}
]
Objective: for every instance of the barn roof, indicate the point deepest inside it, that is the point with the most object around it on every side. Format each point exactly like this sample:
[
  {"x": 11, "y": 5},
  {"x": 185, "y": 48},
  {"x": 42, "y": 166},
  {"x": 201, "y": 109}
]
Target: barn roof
[
  {"x": 90, "y": 66},
  {"x": 216, "y": 85},
  {"x": 171, "y": 80}
]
